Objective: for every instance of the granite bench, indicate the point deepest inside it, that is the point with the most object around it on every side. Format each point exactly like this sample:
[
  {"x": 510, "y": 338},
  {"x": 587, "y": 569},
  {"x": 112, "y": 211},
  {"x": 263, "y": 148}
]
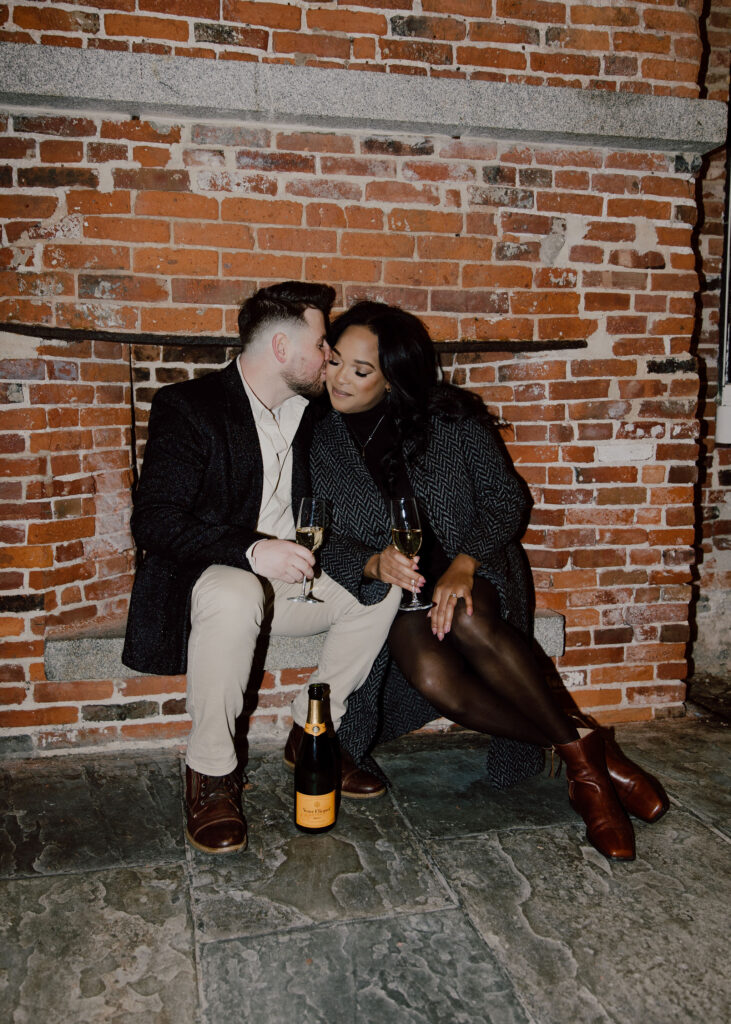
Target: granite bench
[{"x": 95, "y": 652}]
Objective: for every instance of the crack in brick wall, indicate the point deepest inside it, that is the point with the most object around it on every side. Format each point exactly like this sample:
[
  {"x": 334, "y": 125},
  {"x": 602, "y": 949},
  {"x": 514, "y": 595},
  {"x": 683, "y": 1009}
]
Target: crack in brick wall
[{"x": 712, "y": 649}]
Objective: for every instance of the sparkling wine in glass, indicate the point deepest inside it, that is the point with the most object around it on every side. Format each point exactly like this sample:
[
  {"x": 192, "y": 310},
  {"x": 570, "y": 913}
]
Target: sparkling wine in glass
[
  {"x": 406, "y": 535},
  {"x": 311, "y": 523}
]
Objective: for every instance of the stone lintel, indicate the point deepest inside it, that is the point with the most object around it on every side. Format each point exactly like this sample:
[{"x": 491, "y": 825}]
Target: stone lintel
[{"x": 43, "y": 77}]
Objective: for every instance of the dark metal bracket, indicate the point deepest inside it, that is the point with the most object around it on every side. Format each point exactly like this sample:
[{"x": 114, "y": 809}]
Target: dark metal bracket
[{"x": 216, "y": 340}]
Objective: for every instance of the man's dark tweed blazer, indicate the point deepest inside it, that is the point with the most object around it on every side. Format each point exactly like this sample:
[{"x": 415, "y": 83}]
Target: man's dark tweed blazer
[
  {"x": 197, "y": 504},
  {"x": 476, "y": 504}
]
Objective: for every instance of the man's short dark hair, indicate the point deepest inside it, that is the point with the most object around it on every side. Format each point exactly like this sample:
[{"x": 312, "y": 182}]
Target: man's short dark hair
[{"x": 287, "y": 300}]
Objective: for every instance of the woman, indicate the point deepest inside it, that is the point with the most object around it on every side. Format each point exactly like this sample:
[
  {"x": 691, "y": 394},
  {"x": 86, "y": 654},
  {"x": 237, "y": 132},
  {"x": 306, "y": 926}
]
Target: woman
[{"x": 395, "y": 431}]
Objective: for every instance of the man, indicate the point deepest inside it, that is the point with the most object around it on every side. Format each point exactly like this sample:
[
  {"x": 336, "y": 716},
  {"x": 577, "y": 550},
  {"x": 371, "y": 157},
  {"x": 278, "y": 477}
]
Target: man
[{"x": 226, "y": 463}]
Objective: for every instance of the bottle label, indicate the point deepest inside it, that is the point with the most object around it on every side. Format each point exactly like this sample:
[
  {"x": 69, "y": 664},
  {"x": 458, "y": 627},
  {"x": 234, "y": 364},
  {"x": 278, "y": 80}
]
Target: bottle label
[
  {"x": 315, "y": 728},
  {"x": 315, "y": 811}
]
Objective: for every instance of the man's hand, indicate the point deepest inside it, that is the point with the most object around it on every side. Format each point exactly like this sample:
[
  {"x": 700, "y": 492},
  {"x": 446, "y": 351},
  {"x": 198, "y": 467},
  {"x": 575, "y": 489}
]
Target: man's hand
[{"x": 283, "y": 560}]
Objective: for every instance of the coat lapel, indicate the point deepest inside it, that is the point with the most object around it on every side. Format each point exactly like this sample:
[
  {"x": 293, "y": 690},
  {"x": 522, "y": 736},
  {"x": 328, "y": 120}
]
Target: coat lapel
[
  {"x": 301, "y": 483},
  {"x": 245, "y": 468},
  {"x": 246, "y": 465}
]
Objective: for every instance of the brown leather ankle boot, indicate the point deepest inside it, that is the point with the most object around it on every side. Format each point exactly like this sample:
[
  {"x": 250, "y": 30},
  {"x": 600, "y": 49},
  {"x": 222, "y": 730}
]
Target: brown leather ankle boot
[
  {"x": 639, "y": 792},
  {"x": 592, "y": 796}
]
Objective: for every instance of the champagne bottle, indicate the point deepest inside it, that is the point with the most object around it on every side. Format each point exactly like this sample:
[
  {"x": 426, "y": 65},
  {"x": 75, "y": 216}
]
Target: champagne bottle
[{"x": 316, "y": 776}]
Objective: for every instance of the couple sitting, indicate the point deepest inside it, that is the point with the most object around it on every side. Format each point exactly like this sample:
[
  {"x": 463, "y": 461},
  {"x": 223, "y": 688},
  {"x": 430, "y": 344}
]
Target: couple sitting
[{"x": 230, "y": 455}]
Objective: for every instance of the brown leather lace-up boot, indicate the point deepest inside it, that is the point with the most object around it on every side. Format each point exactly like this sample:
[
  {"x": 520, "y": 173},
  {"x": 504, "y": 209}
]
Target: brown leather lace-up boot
[
  {"x": 216, "y": 823},
  {"x": 592, "y": 796}
]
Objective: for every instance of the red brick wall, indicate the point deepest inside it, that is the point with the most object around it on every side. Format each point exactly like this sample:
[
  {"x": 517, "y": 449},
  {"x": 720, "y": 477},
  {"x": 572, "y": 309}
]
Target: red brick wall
[
  {"x": 635, "y": 46},
  {"x": 121, "y": 224},
  {"x": 131, "y": 226}
]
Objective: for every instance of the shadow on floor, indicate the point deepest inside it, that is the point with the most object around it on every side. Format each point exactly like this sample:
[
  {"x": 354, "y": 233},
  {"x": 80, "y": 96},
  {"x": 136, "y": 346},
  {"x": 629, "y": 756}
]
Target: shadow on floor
[
  {"x": 711, "y": 693},
  {"x": 442, "y": 902}
]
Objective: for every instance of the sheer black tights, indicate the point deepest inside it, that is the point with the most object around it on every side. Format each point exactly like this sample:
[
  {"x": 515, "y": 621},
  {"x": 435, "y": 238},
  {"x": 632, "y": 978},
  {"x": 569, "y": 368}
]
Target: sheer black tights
[{"x": 483, "y": 675}]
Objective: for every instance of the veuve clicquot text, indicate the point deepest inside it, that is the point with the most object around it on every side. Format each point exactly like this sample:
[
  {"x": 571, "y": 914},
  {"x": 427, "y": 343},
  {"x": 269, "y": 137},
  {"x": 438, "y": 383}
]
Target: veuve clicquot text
[{"x": 316, "y": 774}]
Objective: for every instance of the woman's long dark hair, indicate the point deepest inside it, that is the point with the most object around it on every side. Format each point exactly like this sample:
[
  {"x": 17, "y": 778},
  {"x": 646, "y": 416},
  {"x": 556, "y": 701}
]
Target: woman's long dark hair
[{"x": 410, "y": 364}]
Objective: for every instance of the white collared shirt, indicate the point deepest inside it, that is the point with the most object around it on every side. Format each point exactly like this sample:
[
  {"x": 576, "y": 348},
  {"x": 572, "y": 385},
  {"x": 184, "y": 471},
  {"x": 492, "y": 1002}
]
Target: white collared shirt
[{"x": 276, "y": 429}]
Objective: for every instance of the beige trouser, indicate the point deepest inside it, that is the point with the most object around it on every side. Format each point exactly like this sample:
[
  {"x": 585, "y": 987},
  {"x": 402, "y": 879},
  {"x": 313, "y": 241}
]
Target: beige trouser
[{"x": 227, "y": 611}]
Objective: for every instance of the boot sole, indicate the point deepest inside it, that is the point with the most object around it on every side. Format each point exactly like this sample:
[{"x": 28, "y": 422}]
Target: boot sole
[
  {"x": 609, "y": 856},
  {"x": 363, "y": 796},
  {"x": 348, "y": 796},
  {"x": 215, "y": 850}
]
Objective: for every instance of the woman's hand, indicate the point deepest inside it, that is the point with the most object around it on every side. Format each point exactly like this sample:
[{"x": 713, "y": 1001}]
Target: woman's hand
[
  {"x": 454, "y": 585},
  {"x": 390, "y": 566}
]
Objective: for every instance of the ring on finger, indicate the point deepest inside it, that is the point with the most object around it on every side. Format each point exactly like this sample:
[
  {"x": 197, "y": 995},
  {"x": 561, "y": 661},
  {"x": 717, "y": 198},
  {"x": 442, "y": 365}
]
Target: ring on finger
[{"x": 454, "y": 595}]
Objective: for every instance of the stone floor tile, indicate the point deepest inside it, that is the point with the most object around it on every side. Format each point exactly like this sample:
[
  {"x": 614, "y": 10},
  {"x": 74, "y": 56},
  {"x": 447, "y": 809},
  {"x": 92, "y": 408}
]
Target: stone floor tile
[
  {"x": 444, "y": 901},
  {"x": 107, "y": 946},
  {"x": 692, "y": 759},
  {"x": 443, "y": 791},
  {"x": 81, "y": 814},
  {"x": 411, "y": 969},
  {"x": 587, "y": 940},
  {"x": 367, "y": 866}
]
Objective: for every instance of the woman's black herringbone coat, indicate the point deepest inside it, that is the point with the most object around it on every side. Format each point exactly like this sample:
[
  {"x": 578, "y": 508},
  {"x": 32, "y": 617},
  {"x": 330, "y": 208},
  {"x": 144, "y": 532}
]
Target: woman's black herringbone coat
[{"x": 476, "y": 504}]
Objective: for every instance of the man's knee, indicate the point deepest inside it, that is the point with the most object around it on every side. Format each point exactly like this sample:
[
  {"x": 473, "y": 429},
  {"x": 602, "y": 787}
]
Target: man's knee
[
  {"x": 225, "y": 592},
  {"x": 348, "y": 608}
]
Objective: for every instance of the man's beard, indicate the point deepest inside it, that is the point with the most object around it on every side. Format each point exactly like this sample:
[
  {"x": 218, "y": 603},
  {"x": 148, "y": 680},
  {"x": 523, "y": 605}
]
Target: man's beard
[{"x": 306, "y": 388}]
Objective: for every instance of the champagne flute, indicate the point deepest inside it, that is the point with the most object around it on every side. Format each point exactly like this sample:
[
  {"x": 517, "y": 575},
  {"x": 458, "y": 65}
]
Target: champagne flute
[
  {"x": 406, "y": 534},
  {"x": 311, "y": 522}
]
